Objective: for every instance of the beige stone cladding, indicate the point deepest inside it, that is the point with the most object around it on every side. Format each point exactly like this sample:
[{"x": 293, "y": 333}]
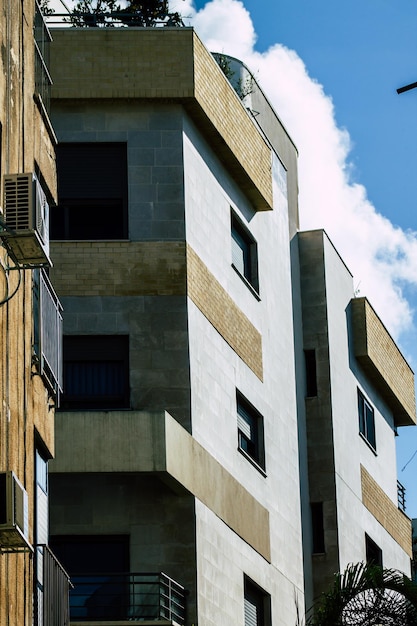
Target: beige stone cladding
[
  {"x": 222, "y": 312},
  {"x": 395, "y": 522},
  {"x": 160, "y": 64},
  {"x": 119, "y": 268},
  {"x": 380, "y": 357},
  {"x": 107, "y": 442}
]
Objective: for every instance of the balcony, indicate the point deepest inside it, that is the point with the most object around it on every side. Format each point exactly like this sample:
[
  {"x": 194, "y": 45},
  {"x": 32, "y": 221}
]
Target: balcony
[
  {"x": 113, "y": 598},
  {"x": 53, "y": 584},
  {"x": 401, "y": 496},
  {"x": 48, "y": 333},
  {"x": 43, "y": 81}
]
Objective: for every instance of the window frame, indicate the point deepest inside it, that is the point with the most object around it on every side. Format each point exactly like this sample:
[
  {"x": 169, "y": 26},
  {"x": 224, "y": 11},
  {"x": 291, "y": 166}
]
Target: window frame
[
  {"x": 252, "y": 448},
  {"x": 366, "y": 414},
  {"x": 241, "y": 238},
  {"x": 372, "y": 549},
  {"x": 254, "y": 596}
]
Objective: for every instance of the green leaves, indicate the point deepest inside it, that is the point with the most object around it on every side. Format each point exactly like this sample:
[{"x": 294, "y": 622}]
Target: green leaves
[
  {"x": 367, "y": 595},
  {"x": 108, "y": 13}
]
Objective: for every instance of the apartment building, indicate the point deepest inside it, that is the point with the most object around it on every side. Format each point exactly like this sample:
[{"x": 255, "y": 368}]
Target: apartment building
[
  {"x": 177, "y": 442},
  {"x": 225, "y": 441},
  {"x": 33, "y": 586},
  {"x": 358, "y": 391}
]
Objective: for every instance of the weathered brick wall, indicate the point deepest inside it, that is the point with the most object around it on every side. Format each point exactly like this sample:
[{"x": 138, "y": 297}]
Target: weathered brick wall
[
  {"x": 378, "y": 353},
  {"x": 395, "y": 522},
  {"x": 222, "y": 312},
  {"x": 118, "y": 268}
]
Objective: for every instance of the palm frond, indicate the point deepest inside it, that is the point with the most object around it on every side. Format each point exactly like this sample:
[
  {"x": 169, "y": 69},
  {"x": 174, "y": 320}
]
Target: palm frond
[{"x": 367, "y": 595}]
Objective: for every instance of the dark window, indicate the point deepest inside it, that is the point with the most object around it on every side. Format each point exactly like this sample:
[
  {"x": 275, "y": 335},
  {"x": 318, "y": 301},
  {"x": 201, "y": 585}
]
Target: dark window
[
  {"x": 98, "y": 566},
  {"x": 373, "y": 552},
  {"x": 92, "y": 192},
  {"x": 257, "y": 605},
  {"x": 311, "y": 374},
  {"x": 96, "y": 372},
  {"x": 250, "y": 431},
  {"x": 317, "y": 523},
  {"x": 366, "y": 420},
  {"x": 244, "y": 252}
]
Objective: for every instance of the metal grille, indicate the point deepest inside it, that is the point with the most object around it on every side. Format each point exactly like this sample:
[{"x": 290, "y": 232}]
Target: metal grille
[
  {"x": 133, "y": 596},
  {"x": 51, "y": 334},
  {"x": 43, "y": 81},
  {"x": 18, "y": 201},
  {"x": 53, "y": 586},
  {"x": 401, "y": 496}
]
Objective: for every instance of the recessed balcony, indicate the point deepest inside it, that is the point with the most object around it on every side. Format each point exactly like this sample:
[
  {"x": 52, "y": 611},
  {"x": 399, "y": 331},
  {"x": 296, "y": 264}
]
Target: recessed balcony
[{"x": 115, "y": 599}]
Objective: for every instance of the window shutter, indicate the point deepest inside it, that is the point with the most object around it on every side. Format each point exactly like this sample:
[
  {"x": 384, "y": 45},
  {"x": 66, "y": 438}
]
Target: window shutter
[
  {"x": 245, "y": 423},
  {"x": 251, "y": 612}
]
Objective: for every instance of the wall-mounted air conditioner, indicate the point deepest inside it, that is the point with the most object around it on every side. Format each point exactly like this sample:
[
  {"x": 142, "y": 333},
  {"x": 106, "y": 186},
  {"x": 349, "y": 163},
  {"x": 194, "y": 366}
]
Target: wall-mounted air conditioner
[
  {"x": 14, "y": 523},
  {"x": 26, "y": 215}
]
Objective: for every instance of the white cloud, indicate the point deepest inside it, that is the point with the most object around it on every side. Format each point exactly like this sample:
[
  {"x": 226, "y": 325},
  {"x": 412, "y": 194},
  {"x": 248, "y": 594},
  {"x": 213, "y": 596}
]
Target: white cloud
[{"x": 382, "y": 257}]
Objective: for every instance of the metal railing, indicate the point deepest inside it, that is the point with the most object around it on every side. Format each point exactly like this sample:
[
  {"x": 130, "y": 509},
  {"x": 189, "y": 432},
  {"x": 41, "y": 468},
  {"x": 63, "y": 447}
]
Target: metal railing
[
  {"x": 48, "y": 333},
  {"x": 53, "y": 585},
  {"x": 131, "y": 596},
  {"x": 105, "y": 19},
  {"x": 43, "y": 39},
  {"x": 401, "y": 496}
]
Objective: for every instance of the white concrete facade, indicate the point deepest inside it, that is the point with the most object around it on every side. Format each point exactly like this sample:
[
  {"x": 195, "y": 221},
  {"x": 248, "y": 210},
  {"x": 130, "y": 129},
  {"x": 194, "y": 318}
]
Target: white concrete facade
[{"x": 336, "y": 449}]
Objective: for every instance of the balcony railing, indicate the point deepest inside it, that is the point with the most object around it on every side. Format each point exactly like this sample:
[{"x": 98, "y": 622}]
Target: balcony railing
[
  {"x": 53, "y": 584},
  {"x": 401, "y": 496},
  {"x": 48, "y": 333},
  {"x": 43, "y": 39},
  {"x": 132, "y": 596}
]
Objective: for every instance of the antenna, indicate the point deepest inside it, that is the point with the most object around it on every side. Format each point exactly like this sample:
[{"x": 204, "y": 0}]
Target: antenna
[{"x": 407, "y": 88}]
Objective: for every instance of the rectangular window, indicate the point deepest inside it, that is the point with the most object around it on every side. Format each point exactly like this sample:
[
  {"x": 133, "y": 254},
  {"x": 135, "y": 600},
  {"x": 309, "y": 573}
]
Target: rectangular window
[
  {"x": 244, "y": 252},
  {"x": 250, "y": 431},
  {"x": 96, "y": 372},
  {"x": 257, "y": 605},
  {"x": 373, "y": 552},
  {"x": 92, "y": 192},
  {"x": 366, "y": 420},
  {"x": 311, "y": 373},
  {"x": 317, "y": 523}
]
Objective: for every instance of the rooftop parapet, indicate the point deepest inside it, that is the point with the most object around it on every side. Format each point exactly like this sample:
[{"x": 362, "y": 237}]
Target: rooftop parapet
[
  {"x": 166, "y": 64},
  {"x": 383, "y": 362}
]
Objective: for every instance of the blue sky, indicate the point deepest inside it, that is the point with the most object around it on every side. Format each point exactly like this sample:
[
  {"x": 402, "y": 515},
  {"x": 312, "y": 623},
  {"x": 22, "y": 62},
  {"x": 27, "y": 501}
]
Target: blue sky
[
  {"x": 356, "y": 55},
  {"x": 360, "y": 51}
]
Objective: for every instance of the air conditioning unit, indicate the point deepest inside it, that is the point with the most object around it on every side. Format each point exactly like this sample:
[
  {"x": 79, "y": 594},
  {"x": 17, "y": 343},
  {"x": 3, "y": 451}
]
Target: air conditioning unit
[
  {"x": 26, "y": 214},
  {"x": 14, "y": 522}
]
